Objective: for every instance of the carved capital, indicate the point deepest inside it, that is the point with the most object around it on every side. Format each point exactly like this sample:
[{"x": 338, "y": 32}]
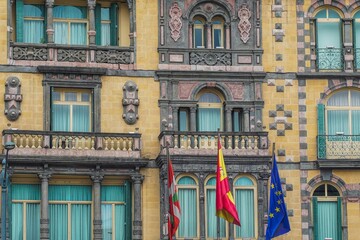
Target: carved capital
[
  {"x": 97, "y": 175},
  {"x": 91, "y": 4},
  {"x": 137, "y": 179},
  {"x": 49, "y": 3},
  {"x": 44, "y": 176}
]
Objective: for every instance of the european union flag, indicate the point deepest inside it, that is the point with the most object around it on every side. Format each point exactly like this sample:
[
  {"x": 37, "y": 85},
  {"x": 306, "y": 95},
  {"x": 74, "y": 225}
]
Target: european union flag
[{"x": 278, "y": 221}]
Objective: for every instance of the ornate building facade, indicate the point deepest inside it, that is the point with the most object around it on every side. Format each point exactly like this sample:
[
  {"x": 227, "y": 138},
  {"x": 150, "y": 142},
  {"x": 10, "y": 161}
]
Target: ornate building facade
[{"x": 96, "y": 91}]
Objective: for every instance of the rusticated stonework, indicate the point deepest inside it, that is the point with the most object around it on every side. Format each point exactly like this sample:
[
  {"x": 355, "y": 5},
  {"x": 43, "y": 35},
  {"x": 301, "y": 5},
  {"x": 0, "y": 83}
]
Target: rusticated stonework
[
  {"x": 244, "y": 25},
  {"x": 175, "y": 23}
]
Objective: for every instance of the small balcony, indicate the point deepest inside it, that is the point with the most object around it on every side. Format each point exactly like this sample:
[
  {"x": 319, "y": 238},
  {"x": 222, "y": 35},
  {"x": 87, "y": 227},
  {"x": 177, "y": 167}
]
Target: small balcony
[
  {"x": 330, "y": 59},
  {"x": 66, "y": 55},
  {"x": 65, "y": 146},
  {"x": 205, "y": 143},
  {"x": 338, "y": 151}
]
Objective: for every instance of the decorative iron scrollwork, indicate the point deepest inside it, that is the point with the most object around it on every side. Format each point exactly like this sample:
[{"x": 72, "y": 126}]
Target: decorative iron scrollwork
[
  {"x": 130, "y": 102},
  {"x": 12, "y": 98}
]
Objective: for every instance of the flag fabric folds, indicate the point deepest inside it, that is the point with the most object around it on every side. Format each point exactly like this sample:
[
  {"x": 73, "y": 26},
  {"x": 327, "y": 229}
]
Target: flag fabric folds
[
  {"x": 174, "y": 205},
  {"x": 225, "y": 205},
  {"x": 278, "y": 221}
]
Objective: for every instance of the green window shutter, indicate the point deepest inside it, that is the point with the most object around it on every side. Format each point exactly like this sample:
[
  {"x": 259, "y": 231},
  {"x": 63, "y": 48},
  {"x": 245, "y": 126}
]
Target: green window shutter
[
  {"x": 98, "y": 24},
  {"x": 114, "y": 24},
  {"x": 128, "y": 209},
  {"x": 315, "y": 218},
  {"x": 321, "y": 131},
  {"x": 19, "y": 20},
  {"x": 45, "y": 25},
  {"x": 339, "y": 219}
]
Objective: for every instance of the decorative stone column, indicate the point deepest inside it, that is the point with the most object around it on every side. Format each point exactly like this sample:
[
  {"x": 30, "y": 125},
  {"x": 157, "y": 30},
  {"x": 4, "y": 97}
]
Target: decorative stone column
[
  {"x": 91, "y": 32},
  {"x": 49, "y": 21},
  {"x": 208, "y": 35},
  {"x": 97, "y": 177},
  {"x": 228, "y": 119},
  {"x": 191, "y": 25},
  {"x": 348, "y": 46},
  {"x": 262, "y": 203},
  {"x": 202, "y": 206},
  {"x": 246, "y": 119},
  {"x": 227, "y": 34},
  {"x": 44, "y": 217},
  {"x": 193, "y": 119},
  {"x": 137, "y": 223}
]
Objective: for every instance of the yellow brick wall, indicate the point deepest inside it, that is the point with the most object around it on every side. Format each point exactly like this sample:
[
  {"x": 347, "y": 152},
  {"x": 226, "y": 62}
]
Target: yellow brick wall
[
  {"x": 151, "y": 204},
  {"x": 31, "y": 117},
  {"x": 149, "y": 112},
  {"x": 147, "y": 34},
  {"x": 3, "y": 30}
]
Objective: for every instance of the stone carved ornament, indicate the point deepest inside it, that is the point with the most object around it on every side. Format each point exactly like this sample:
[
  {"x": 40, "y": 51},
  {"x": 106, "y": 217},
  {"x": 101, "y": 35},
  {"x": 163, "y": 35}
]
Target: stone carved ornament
[
  {"x": 244, "y": 25},
  {"x": 12, "y": 98},
  {"x": 130, "y": 102},
  {"x": 175, "y": 22}
]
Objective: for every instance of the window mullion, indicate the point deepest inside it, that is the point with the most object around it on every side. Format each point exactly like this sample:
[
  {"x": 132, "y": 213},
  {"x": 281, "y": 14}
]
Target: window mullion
[
  {"x": 113, "y": 230},
  {"x": 24, "y": 220},
  {"x": 69, "y": 220}
]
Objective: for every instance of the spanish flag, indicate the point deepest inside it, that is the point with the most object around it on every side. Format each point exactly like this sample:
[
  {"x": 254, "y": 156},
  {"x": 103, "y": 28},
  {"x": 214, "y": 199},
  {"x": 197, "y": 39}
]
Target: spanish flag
[{"x": 225, "y": 205}]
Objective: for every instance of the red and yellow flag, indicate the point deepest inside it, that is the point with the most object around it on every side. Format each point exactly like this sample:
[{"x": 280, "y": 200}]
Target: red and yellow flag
[{"x": 225, "y": 205}]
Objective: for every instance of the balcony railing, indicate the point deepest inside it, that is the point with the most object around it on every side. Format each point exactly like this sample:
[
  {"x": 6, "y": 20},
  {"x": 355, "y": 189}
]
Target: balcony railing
[
  {"x": 73, "y": 143},
  {"x": 338, "y": 146},
  {"x": 246, "y": 143},
  {"x": 330, "y": 58},
  {"x": 64, "y": 54}
]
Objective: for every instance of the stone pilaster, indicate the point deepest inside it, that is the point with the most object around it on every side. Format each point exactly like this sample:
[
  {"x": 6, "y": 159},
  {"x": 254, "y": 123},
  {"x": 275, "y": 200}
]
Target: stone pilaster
[
  {"x": 137, "y": 223},
  {"x": 91, "y": 6},
  {"x": 44, "y": 215},
  {"x": 49, "y": 21},
  {"x": 193, "y": 119},
  {"x": 97, "y": 177}
]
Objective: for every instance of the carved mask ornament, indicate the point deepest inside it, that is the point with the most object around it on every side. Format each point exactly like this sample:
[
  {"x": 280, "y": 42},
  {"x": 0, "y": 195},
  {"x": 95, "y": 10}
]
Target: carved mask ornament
[
  {"x": 130, "y": 102},
  {"x": 12, "y": 98}
]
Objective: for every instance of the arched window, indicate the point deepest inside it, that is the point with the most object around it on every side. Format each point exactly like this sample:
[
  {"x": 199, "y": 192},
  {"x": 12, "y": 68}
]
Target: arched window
[
  {"x": 244, "y": 189},
  {"x": 329, "y": 40},
  {"x": 327, "y": 217},
  {"x": 211, "y": 225},
  {"x": 199, "y": 33},
  {"x": 210, "y": 108},
  {"x": 218, "y": 32},
  {"x": 187, "y": 189},
  {"x": 343, "y": 113},
  {"x": 33, "y": 24},
  {"x": 356, "y": 39}
]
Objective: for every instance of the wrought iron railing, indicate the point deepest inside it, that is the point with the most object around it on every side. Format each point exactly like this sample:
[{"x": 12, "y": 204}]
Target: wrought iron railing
[
  {"x": 76, "y": 141},
  {"x": 338, "y": 146},
  {"x": 241, "y": 141},
  {"x": 330, "y": 58}
]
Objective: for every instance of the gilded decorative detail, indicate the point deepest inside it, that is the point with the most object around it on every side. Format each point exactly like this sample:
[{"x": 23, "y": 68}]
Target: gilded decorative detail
[
  {"x": 244, "y": 25},
  {"x": 175, "y": 23}
]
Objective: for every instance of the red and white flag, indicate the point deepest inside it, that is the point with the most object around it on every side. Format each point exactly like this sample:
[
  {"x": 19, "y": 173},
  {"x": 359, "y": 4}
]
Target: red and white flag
[{"x": 174, "y": 205}]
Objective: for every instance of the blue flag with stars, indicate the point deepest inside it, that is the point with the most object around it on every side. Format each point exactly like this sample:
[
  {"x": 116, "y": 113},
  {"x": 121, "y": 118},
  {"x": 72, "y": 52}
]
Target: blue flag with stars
[{"x": 278, "y": 221}]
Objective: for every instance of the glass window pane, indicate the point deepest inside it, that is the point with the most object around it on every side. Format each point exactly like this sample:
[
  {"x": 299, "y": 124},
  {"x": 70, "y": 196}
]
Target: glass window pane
[
  {"x": 339, "y": 99},
  {"x": 210, "y": 97},
  {"x": 58, "y": 227},
  {"x": 81, "y": 118},
  {"x": 113, "y": 193},
  {"x": 236, "y": 121},
  {"x": 61, "y": 33},
  {"x": 186, "y": 181},
  {"x": 70, "y": 12},
  {"x": 107, "y": 219},
  {"x": 321, "y": 14},
  {"x": 188, "y": 219},
  {"x": 355, "y": 98},
  {"x": 78, "y": 33},
  {"x": 333, "y": 14},
  {"x": 211, "y": 182},
  {"x": 105, "y": 14},
  {"x": 55, "y": 96},
  {"x": 34, "y": 30},
  {"x": 71, "y": 96},
  {"x": 198, "y": 38},
  {"x": 209, "y": 119},
  {"x": 105, "y": 34},
  {"x": 85, "y": 97},
  {"x": 70, "y": 193},
  {"x": 338, "y": 122},
  {"x": 33, "y": 10},
  {"x": 332, "y": 191},
  {"x": 183, "y": 121},
  {"x": 60, "y": 118},
  {"x": 327, "y": 220},
  {"x": 211, "y": 225},
  {"x": 244, "y": 181},
  {"x": 329, "y": 35},
  {"x": 81, "y": 221},
  {"x": 245, "y": 207},
  {"x": 33, "y": 221},
  {"x": 320, "y": 191},
  {"x": 217, "y": 38}
]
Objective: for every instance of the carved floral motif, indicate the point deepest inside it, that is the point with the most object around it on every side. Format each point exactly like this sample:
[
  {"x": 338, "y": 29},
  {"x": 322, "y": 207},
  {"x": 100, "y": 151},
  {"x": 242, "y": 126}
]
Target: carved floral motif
[
  {"x": 130, "y": 102},
  {"x": 12, "y": 98},
  {"x": 211, "y": 59},
  {"x": 175, "y": 23},
  {"x": 244, "y": 25}
]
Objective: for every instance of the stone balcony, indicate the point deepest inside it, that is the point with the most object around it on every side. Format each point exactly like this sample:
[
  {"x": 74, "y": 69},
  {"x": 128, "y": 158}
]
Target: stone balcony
[{"x": 70, "y": 147}]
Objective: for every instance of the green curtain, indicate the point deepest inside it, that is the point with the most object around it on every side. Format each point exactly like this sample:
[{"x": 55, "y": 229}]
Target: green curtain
[
  {"x": 209, "y": 119},
  {"x": 355, "y": 116},
  {"x": 98, "y": 24},
  {"x": 338, "y": 121},
  {"x": 211, "y": 216},
  {"x": 327, "y": 220},
  {"x": 25, "y": 192},
  {"x": 244, "y": 200},
  {"x": 106, "y": 26},
  {"x": 188, "y": 219},
  {"x": 81, "y": 118},
  {"x": 80, "y": 213},
  {"x": 78, "y": 31},
  {"x": 113, "y": 194},
  {"x": 183, "y": 121},
  {"x": 60, "y": 119}
]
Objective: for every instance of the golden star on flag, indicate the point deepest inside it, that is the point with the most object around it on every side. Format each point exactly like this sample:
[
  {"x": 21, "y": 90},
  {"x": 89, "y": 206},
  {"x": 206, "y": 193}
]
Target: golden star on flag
[
  {"x": 279, "y": 201},
  {"x": 277, "y": 209},
  {"x": 278, "y": 193},
  {"x": 271, "y": 215},
  {"x": 272, "y": 185}
]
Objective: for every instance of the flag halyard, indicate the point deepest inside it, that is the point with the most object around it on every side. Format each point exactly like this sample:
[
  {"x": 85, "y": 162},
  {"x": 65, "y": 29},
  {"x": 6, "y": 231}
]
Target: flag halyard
[
  {"x": 225, "y": 204},
  {"x": 278, "y": 221},
  {"x": 174, "y": 205}
]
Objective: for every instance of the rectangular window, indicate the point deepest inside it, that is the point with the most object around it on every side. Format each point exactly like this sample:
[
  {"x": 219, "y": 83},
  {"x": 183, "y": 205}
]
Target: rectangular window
[
  {"x": 71, "y": 110},
  {"x": 33, "y": 24},
  {"x": 237, "y": 120},
  {"x": 70, "y": 212},
  {"x": 105, "y": 26},
  {"x": 70, "y": 25},
  {"x": 198, "y": 40},
  {"x": 25, "y": 211}
]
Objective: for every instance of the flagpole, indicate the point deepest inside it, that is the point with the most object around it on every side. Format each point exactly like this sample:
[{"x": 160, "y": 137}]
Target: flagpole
[
  {"x": 167, "y": 197},
  {"x": 217, "y": 217}
]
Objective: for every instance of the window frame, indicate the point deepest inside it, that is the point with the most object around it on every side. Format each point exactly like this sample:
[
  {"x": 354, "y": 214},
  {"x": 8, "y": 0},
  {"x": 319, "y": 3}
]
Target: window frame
[
  {"x": 218, "y": 26},
  {"x": 199, "y": 26},
  {"x": 210, "y": 105}
]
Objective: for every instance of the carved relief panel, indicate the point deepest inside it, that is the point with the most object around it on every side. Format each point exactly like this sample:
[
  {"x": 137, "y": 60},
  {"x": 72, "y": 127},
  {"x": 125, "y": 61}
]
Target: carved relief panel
[
  {"x": 12, "y": 98},
  {"x": 130, "y": 102}
]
